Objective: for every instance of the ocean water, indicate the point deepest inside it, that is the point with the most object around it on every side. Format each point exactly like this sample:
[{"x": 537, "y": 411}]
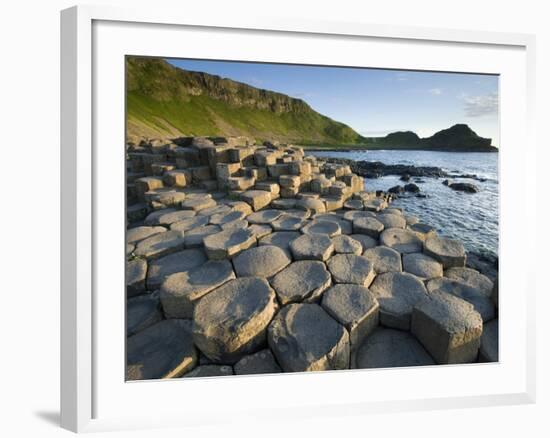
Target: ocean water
[{"x": 471, "y": 218}]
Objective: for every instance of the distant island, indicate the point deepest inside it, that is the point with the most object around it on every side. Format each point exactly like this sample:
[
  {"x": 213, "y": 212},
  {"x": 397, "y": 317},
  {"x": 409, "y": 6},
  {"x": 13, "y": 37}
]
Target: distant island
[{"x": 165, "y": 102}]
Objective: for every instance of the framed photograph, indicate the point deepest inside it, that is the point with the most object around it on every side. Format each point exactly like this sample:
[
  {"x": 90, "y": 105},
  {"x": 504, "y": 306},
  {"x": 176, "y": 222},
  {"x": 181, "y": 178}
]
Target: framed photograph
[{"x": 265, "y": 208}]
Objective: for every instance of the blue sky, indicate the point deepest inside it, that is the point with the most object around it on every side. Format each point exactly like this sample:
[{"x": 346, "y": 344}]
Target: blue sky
[{"x": 375, "y": 102}]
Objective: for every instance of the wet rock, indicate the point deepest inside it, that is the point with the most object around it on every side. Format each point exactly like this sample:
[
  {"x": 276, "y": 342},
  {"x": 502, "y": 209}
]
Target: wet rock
[
  {"x": 397, "y": 190},
  {"x": 229, "y": 243},
  {"x": 411, "y": 188},
  {"x": 457, "y": 324},
  {"x": 488, "y": 350},
  {"x": 388, "y": 348},
  {"x": 136, "y": 271},
  {"x": 231, "y": 321},
  {"x": 421, "y": 265},
  {"x": 384, "y": 259},
  {"x": 210, "y": 371},
  {"x": 262, "y": 362},
  {"x": 347, "y": 245},
  {"x": 302, "y": 281},
  {"x": 180, "y": 261},
  {"x": 261, "y": 261},
  {"x": 307, "y": 247},
  {"x": 355, "y": 308},
  {"x": 134, "y": 235},
  {"x": 472, "y": 278},
  {"x": 350, "y": 268},
  {"x": 464, "y": 187},
  {"x": 142, "y": 312},
  {"x": 181, "y": 291},
  {"x": 449, "y": 252},
  {"x": 369, "y": 226},
  {"x": 303, "y": 337},
  {"x": 327, "y": 228},
  {"x": 160, "y": 245},
  {"x": 397, "y": 293},
  {"x": 163, "y": 350}
]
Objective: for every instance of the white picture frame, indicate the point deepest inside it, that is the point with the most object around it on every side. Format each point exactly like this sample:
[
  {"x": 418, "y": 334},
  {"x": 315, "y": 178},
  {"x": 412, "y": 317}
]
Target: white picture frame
[{"x": 93, "y": 397}]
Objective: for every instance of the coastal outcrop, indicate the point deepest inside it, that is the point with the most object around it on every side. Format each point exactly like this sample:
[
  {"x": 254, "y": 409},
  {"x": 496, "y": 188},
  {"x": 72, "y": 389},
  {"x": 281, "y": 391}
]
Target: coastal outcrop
[{"x": 245, "y": 259}]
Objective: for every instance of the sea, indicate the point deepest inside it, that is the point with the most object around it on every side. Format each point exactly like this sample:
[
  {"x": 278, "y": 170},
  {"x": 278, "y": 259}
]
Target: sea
[{"x": 472, "y": 218}]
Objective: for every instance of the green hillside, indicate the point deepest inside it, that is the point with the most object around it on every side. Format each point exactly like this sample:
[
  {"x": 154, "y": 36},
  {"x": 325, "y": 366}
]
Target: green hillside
[{"x": 164, "y": 102}]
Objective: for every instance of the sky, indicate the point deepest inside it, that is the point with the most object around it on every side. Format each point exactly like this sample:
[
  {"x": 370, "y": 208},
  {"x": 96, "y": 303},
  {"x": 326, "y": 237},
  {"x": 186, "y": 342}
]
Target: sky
[{"x": 375, "y": 102}]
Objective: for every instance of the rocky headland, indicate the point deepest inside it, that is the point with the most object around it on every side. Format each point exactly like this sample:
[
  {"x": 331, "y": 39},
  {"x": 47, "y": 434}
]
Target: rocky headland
[{"x": 245, "y": 259}]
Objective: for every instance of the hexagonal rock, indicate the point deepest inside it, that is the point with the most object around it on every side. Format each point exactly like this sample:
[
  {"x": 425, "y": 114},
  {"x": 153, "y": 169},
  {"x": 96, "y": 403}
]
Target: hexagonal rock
[
  {"x": 134, "y": 235},
  {"x": 353, "y": 204},
  {"x": 397, "y": 293},
  {"x": 175, "y": 216},
  {"x": 261, "y": 261},
  {"x": 404, "y": 241},
  {"x": 217, "y": 209},
  {"x": 198, "y": 204},
  {"x": 160, "y": 245},
  {"x": 190, "y": 223},
  {"x": 233, "y": 225},
  {"x": 365, "y": 241},
  {"x": 449, "y": 252},
  {"x": 384, "y": 259},
  {"x": 136, "y": 271},
  {"x": 281, "y": 239},
  {"x": 314, "y": 205},
  {"x": 448, "y": 327},
  {"x": 307, "y": 247},
  {"x": 356, "y": 214},
  {"x": 288, "y": 222},
  {"x": 488, "y": 349},
  {"x": 394, "y": 210},
  {"x": 232, "y": 320},
  {"x": 302, "y": 214},
  {"x": 241, "y": 206},
  {"x": 257, "y": 199},
  {"x": 283, "y": 203},
  {"x": 392, "y": 220},
  {"x": 161, "y": 351},
  {"x": 423, "y": 230},
  {"x": 264, "y": 216},
  {"x": 224, "y": 218},
  {"x": 369, "y": 226},
  {"x": 472, "y": 278},
  {"x": 302, "y": 281},
  {"x": 181, "y": 291},
  {"x": 350, "y": 268},
  {"x": 476, "y": 297},
  {"x": 180, "y": 261},
  {"x": 194, "y": 238},
  {"x": 346, "y": 227},
  {"x": 210, "y": 371},
  {"x": 153, "y": 218},
  {"x": 315, "y": 228},
  {"x": 421, "y": 265},
  {"x": 355, "y": 308},
  {"x": 411, "y": 220},
  {"x": 303, "y": 337},
  {"x": 262, "y": 362},
  {"x": 347, "y": 245},
  {"x": 142, "y": 312},
  {"x": 228, "y": 243},
  {"x": 387, "y": 348},
  {"x": 259, "y": 230}
]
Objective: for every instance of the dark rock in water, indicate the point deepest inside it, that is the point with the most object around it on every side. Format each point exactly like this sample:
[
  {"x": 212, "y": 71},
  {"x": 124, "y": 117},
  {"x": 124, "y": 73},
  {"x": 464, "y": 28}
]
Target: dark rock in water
[
  {"x": 405, "y": 177},
  {"x": 421, "y": 195},
  {"x": 419, "y": 181},
  {"x": 446, "y": 182},
  {"x": 396, "y": 190},
  {"x": 379, "y": 193},
  {"x": 412, "y": 188},
  {"x": 464, "y": 187}
]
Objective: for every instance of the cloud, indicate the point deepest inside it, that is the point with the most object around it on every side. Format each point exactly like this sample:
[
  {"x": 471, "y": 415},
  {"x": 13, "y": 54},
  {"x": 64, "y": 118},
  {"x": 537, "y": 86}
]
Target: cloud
[
  {"x": 477, "y": 106},
  {"x": 435, "y": 91}
]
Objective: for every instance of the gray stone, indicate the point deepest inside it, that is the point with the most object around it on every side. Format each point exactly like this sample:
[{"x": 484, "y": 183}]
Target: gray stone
[
  {"x": 448, "y": 327},
  {"x": 302, "y": 214},
  {"x": 134, "y": 235},
  {"x": 369, "y": 226},
  {"x": 130, "y": 249},
  {"x": 217, "y": 209},
  {"x": 288, "y": 222},
  {"x": 355, "y": 308},
  {"x": 347, "y": 245},
  {"x": 198, "y": 204},
  {"x": 346, "y": 227},
  {"x": 397, "y": 293},
  {"x": 384, "y": 259},
  {"x": 264, "y": 216},
  {"x": 388, "y": 348},
  {"x": 262, "y": 362},
  {"x": 283, "y": 203},
  {"x": 353, "y": 204},
  {"x": 153, "y": 218},
  {"x": 307, "y": 247},
  {"x": 303, "y": 337},
  {"x": 261, "y": 261},
  {"x": 494, "y": 293},
  {"x": 194, "y": 238},
  {"x": 181, "y": 291},
  {"x": 411, "y": 220},
  {"x": 174, "y": 216},
  {"x": 472, "y": 278},
  {"x": 136, "y": 271},
  {"x": 160, "y": 245},
  {"x": 163, "y": 350},
  {"x": 404, "y": 241},
  {"x": 423, "y": 266},
  {"x": 314, "y": 205},
  {"x": 356, "y": 214},
  {"x": 365, "y": 241},
  {"x": 241, "y": 206},
  {"x": 423, "y": 230},
  {"x": 142, "y": 312},
  {"x": 350, "y": 268},
  {"x": 327, "y": 228},
  {"x": 232, "y": 320},
  {"x": 488, "y": 349},
  {"x": 391, "y": 220},
  {"x": 260, "y": 230},
  {"x": 233, "y": 225},
  {"x": 476, "y": 297},
  {"x": 257, "y": 199},
  {"x": 229, "y": 243},
  {"x": 180, "y": 261},
  {"x": 281, "y": 239},
  {"x": 210, "y": 371},
  {"x": 224, "y": 218},
  {"x": 449, "y": 252},
  {"x": 190, "y": 223},
  {"x": 301, "y": 281}
]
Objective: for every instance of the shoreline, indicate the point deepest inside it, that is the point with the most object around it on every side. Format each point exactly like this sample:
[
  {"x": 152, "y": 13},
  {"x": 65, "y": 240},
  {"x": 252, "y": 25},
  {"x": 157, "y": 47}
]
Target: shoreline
[{"x": 370, "y": 148}]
